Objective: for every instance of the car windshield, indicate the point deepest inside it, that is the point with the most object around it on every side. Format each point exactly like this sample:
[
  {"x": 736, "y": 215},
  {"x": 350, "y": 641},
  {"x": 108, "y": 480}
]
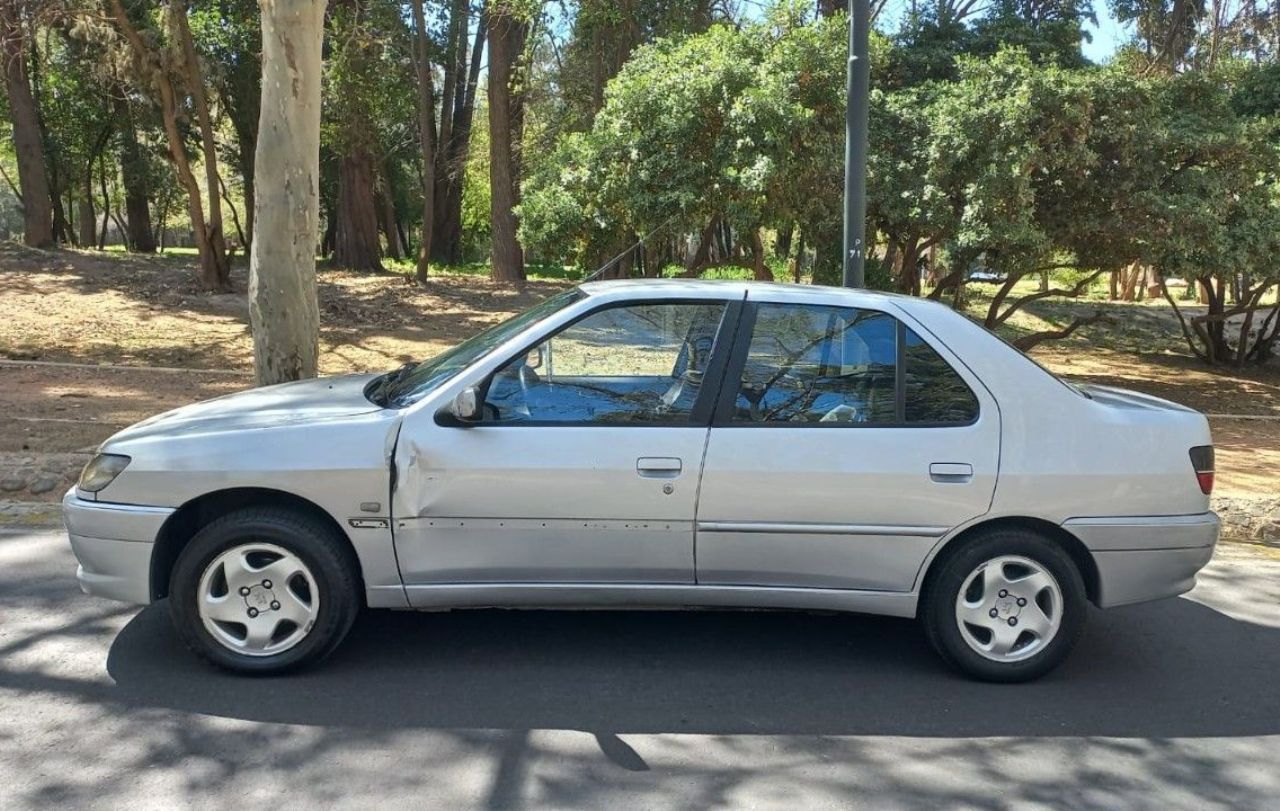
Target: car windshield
[{"x": 410, "y": 384}]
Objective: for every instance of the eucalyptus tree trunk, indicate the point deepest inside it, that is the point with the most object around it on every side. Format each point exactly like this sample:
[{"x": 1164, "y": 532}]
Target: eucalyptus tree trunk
[
  {"x": 37, "y": 206},
  {"x": 283, "y": 307},
  {"x": 506, "y": 43}
]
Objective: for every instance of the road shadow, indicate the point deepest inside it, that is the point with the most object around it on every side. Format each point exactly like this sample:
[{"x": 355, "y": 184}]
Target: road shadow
[{"x": 1169, "y": 669}]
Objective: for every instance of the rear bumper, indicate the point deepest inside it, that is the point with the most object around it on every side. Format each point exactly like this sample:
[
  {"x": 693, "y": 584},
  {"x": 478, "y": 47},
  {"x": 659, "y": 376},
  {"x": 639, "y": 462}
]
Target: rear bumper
[
  {"x": 113, "y": 543},
  {"x": 1147, "y": 557}
]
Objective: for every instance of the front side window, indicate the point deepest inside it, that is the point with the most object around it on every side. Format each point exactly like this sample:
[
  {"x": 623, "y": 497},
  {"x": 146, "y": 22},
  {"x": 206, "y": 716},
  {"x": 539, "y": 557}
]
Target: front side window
[
  {"x": 634, "y": 364},
  {"x": 812, "y": 364},
  {"x": 421, "y": 380}
]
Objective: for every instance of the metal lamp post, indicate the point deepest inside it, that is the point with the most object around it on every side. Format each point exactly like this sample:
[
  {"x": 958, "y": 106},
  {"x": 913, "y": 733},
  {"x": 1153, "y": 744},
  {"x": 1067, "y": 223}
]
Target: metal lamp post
[{"x": 855, "y": 146}]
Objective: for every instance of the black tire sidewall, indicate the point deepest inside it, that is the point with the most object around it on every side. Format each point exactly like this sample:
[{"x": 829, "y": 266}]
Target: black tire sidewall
[
  {"x": 943, "y": 630},
  {"x": 311, "y": 541}
]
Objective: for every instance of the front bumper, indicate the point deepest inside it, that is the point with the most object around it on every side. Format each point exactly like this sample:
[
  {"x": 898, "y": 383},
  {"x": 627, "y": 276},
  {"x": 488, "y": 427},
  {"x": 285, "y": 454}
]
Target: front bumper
[
  {"x": 1147, "y": 557},
  {"x": 113, "y": 543}
]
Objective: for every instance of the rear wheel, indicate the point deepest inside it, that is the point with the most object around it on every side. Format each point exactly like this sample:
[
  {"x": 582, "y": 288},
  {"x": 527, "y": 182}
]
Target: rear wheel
[
  {"x": 1008, "y": 606},
  {"x": 264, "y": 590}
]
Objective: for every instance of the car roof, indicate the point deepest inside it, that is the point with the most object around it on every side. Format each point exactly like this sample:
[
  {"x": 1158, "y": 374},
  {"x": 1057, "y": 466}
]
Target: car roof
[{"x": 729, "y": 289}]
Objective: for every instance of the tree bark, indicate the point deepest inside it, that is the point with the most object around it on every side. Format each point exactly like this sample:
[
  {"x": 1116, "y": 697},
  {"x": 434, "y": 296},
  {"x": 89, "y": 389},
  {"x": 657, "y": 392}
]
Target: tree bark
[
  {"x": 88, "y": 218},
  {"x": 283, "y": 306},
  {"x": 387, "y": 219},
  {"x": 426, "y": 135},
  {"x": 37, "y": 205},
  {"x": 133, "y": 172},
  {"x": 759, "y": 267},
  {"x": 356, "y": 240},
  {"x": 506, "y": 44},
  {"x": 106, "y": 203}
]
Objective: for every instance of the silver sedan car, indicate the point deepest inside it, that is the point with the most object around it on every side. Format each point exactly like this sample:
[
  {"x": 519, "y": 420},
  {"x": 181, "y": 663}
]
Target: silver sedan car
[{"x": 662, "y": 444}]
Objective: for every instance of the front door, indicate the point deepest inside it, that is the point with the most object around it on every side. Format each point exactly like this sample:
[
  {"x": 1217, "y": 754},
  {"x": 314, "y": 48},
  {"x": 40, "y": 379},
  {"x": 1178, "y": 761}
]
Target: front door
[
  {"x": 584, "y": 466},
  {"x": 843, "y": 447}
]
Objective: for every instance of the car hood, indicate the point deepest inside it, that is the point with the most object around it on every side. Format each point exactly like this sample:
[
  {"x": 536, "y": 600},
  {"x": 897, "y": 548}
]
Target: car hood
[{"x": 303, "y": 401}]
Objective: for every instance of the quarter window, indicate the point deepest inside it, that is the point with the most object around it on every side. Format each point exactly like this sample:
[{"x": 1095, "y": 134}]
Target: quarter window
[
  {"x": 642, "y": 363},
  {"x": 812, "y": 364},
  {"x": 933, "y": 391}
]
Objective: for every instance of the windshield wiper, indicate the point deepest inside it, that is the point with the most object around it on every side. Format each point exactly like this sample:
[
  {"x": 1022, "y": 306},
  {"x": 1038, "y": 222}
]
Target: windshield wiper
[{"x": 378, "y": 388}]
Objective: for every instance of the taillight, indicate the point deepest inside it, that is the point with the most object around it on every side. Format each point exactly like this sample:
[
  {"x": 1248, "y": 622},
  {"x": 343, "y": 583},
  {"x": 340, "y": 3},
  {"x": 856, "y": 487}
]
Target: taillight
[{"x": 1202, "y": 461}]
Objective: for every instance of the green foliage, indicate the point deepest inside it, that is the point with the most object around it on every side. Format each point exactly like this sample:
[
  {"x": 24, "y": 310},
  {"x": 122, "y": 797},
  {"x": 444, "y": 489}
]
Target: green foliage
[
  {"x": 748, "y": 110},
  {"x": 367, "y": 69}
]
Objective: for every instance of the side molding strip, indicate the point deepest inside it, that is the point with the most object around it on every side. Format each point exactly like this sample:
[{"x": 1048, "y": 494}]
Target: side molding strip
[{"x": 821, "y": 529}]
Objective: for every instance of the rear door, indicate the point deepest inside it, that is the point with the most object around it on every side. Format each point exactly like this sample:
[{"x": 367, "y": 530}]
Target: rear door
[{"x": 844, "y": 445}]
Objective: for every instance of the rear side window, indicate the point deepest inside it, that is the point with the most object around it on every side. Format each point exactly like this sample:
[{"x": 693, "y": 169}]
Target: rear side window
[
  {"x": 816, "y": 364},
  {"x": 934, "y": 392}
]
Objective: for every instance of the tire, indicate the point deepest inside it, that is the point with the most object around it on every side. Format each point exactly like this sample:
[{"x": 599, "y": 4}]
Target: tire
[
  {"x": 969, "y": 616},
  {"x": 225, "y": 571}
]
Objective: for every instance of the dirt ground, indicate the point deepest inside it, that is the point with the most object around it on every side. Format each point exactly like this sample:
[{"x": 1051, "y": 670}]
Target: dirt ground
[{"x": 104, "y": 311}]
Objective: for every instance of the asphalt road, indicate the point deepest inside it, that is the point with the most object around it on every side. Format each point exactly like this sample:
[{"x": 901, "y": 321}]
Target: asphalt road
[{"x": 1174, "y": 705}]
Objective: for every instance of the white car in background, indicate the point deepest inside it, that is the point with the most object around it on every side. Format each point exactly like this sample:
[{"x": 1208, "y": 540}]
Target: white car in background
[{"x": 654, "y": 444}]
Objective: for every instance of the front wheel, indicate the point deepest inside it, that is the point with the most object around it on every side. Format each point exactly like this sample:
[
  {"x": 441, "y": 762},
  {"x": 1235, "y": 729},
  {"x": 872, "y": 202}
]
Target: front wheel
[
  {"x": 1007, "y": 607},
  {"x": 264, "y": 590}
]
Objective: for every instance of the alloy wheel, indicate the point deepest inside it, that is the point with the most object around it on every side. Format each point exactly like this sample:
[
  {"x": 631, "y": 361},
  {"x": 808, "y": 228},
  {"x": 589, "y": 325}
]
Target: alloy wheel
[
  {"x": 258, "y": 599},
  {"x": 1009, "y": 608}
]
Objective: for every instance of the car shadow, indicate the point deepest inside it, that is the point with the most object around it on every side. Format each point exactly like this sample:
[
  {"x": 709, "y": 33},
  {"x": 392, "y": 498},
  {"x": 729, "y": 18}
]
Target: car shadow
[{"x": 1170, "y": 669}]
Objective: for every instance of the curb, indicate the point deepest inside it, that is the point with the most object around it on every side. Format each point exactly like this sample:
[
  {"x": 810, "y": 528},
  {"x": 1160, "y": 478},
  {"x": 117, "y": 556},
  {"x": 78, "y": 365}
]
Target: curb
[{"x": 30, "y": 515}]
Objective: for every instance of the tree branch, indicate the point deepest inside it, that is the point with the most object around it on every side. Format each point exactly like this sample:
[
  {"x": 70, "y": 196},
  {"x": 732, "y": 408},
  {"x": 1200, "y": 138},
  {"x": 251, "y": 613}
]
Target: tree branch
[
  {"x": 1026, "y": 342},
  {"x": 1182, "y": 321},
  {"x": 1074, "y": 292}
]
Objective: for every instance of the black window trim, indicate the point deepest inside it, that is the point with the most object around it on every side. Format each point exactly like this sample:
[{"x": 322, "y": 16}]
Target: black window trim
[
  {"x": 728, "y": 395},
  {"x": 703, "y": 407}
]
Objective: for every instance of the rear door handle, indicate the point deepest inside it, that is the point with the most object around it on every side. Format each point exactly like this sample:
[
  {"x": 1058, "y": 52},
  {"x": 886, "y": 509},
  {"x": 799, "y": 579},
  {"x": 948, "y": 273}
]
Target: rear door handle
[
  {"x": 659, "y": 467},
  {"x": 951, "y": 472}
]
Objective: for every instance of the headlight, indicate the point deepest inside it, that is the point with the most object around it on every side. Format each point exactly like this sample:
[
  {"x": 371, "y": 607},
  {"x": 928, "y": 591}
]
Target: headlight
[{"x": 101, "y": 471}]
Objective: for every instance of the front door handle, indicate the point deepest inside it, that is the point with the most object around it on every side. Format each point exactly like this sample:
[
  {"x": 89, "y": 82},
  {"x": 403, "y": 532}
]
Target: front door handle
[
  {"x": 951, "y": 472},
  {"x": 659, "y": 467}
]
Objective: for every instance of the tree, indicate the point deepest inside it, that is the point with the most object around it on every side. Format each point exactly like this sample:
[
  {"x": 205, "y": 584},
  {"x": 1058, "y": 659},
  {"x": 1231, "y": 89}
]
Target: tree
[
  {"x": 283, "y": 305},
  {"x": 75, "y": 100},
  {"x": 215, "y": 272},
  {"x": 37, "y": 210},
  {"x": 229, "y": 39},
  {"x": 135, "y": 176},
  {"x": 508, "y": 29},
  {"x": 426, "y": 135},
  {"x": 1214, "y": 215},
  {"x": 457, "y": 113},
  {"x": 359, "y": 86},
  {"x": 754, "y": 115}
]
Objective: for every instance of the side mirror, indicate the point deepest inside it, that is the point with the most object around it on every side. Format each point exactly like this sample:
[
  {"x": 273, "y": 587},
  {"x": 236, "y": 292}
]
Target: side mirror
[
  {"x": 466, "y": 406},
  {"x": 534, "y": 358}
]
